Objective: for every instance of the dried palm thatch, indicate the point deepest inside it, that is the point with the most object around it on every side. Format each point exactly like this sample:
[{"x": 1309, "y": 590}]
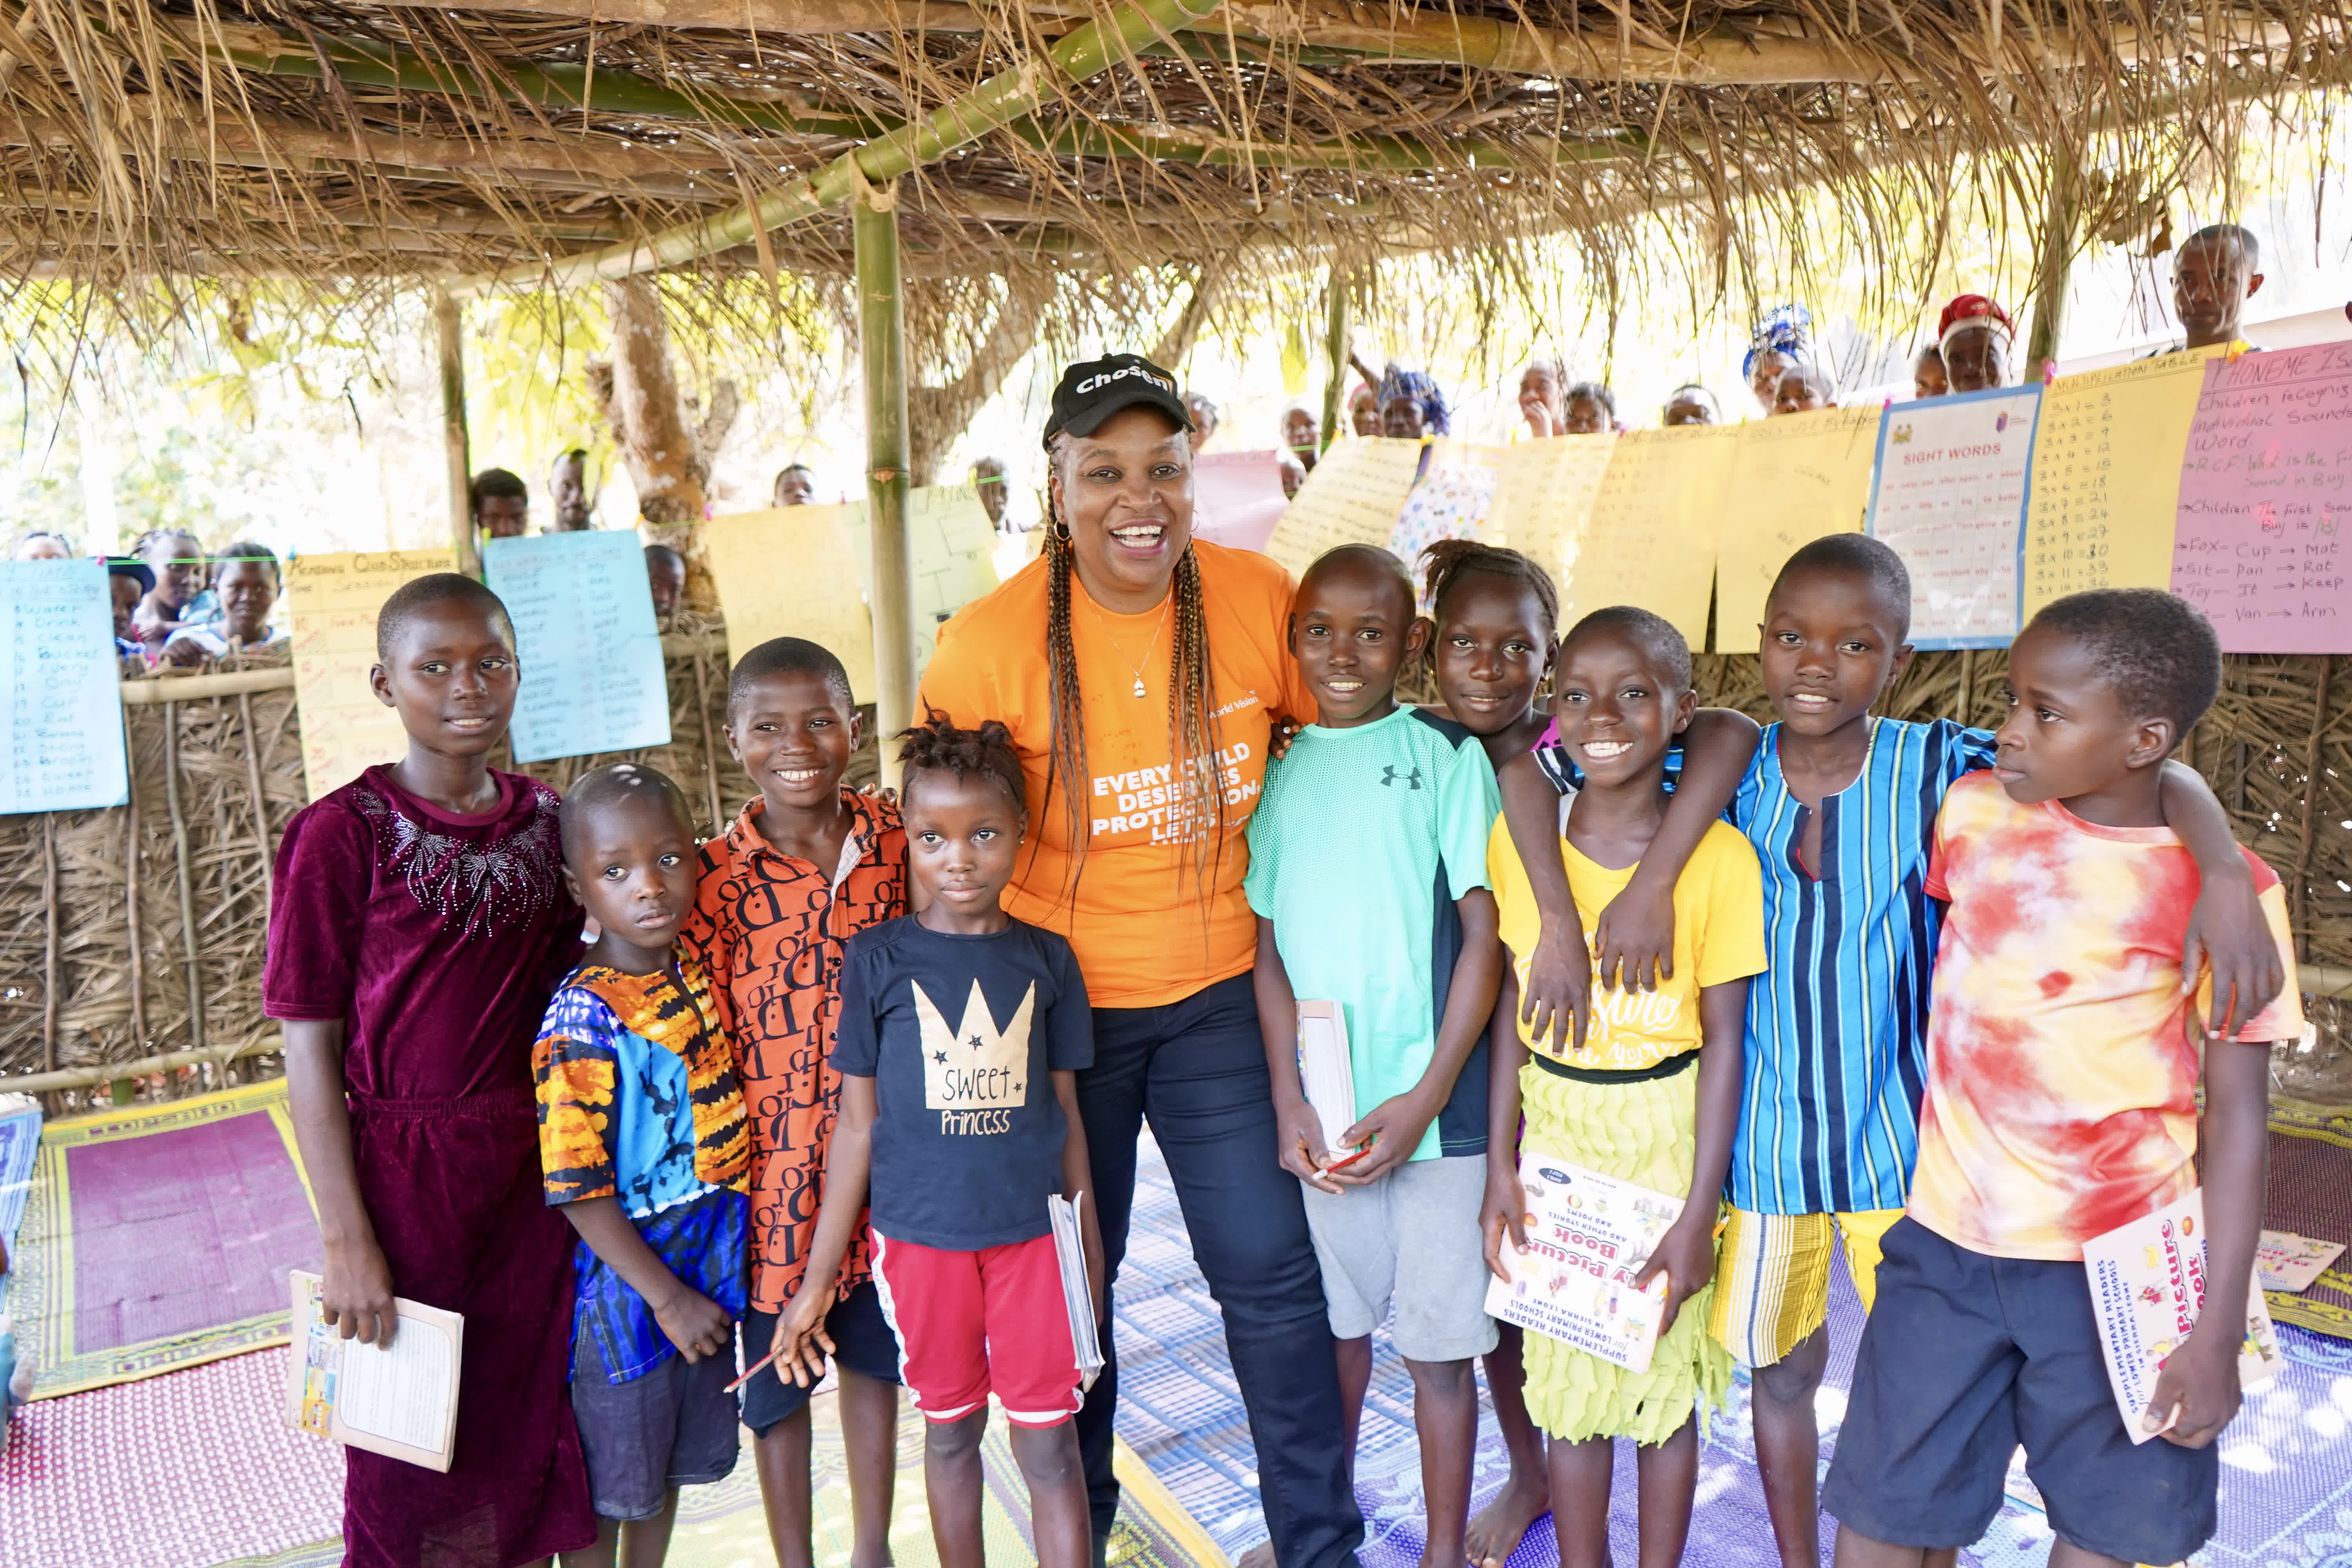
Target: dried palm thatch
[
  {"x": 340, "y": 141},
  {"x": 215, "y": 779}
]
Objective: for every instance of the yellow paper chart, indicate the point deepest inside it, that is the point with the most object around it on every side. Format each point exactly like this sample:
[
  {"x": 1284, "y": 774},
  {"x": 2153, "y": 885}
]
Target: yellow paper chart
[
  {"x": 1655, "y": 526},
  {"x": 1353, "y": 496},
  {"x": 2107, "y": 477},
  {"x": 1545, "y": 499},
  {"x": 333, "y": 601},
  {"x": 1793, "y": 479},
  {"x": 792, "y": 571},
  {"x": 950, "y": 544}
]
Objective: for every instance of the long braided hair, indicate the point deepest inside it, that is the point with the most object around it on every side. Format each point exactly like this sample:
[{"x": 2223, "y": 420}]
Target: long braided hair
[{"x": 1198, "y": 807}]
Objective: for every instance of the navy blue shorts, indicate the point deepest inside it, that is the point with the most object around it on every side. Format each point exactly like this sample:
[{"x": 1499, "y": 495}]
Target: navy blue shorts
[
  {"x": 862, "y": 1341},
  {"x": 672, "y": 1427},
  {"x": 1965, "y": 1358}
]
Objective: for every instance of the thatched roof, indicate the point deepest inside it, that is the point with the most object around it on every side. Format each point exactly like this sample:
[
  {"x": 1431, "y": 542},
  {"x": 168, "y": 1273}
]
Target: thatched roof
[{"x": 333, "y": 140}]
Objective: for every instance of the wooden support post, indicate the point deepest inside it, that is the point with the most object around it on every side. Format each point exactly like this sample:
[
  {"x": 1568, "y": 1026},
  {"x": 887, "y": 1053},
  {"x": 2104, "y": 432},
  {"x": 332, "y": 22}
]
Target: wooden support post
[
  {"x": 449, "y": 321},
  {"x": 54, "y": 937},
  {"x": 191, "y": 945},
  {"x": 2052, "y": 267},
  {"x": 882, "y": 352},
  {"x": 1334, "y": 351}
]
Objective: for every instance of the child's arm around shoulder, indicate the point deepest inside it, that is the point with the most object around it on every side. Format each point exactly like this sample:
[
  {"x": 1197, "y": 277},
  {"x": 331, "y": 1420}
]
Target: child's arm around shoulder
[
  {"x": 1634, "y": 937},
  {"x": 2226, "y": 926}
]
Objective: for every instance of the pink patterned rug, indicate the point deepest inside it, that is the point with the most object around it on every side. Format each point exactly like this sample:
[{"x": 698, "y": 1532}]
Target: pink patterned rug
[{"x": 194, "y": 1468}]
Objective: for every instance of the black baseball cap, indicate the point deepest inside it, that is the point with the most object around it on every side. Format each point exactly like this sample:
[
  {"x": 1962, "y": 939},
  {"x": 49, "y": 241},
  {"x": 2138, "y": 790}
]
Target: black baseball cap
[{"x": 1092, "y": 390}]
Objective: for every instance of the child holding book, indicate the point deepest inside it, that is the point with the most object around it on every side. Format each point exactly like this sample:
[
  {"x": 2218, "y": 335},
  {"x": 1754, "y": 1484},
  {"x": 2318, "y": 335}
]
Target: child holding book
[
  {"x": 1650, "y": 1098},
  {"x": 807, "y": 865},
  {"x": 1367, "y": 876},
  {"x": 2064, "y": 1057},
  {"x": 642, "y": 1141},
  {"x": 1839, "y": 805},
  {"x": 419, "y": 926},
  {"x": 960, "y": 1035}
]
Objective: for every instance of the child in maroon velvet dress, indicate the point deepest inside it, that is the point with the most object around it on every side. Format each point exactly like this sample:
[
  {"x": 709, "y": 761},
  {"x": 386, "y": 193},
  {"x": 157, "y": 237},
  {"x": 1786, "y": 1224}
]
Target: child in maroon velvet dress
[{"x": 419, "y": 928}]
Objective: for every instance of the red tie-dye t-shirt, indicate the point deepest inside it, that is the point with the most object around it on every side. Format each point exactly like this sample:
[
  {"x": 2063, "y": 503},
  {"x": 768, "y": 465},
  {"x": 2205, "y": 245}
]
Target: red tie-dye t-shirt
[{"x": 2062, "y": 1067}]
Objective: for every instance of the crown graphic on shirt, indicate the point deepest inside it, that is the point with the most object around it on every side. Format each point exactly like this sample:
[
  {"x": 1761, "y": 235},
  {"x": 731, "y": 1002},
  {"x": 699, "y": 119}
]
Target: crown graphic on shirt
[{"x": 974, "y": 1065}]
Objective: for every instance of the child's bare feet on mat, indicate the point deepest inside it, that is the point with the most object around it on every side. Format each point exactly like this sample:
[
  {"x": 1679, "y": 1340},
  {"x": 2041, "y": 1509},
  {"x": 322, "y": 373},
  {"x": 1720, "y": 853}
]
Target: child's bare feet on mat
[
  {"x": 1258, "y": 1556},
  {"x": 1495, "y": 1529}
]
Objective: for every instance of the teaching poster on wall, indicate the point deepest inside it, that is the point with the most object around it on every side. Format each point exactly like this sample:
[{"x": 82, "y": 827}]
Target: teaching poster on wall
[
  {"x": 592, "y": 679},
  {"x": 951, "y": 550},
  {"x": 1793, "y": 479},
  {"x": 793, "y": 571},
  {"x": 2107, "y": 478},
  {"x": 333, "y": 600},
  {"x": 1353, "y": 496},
  {"x": 1949, "y": 497},
  {"x": 1655, "y": 522},
  {"x": 2265, "y": 492},
  {"x": 1545, "y": 497},
  {"x": 1237, "y": 498},
  {"x": 60, "y": 672}
]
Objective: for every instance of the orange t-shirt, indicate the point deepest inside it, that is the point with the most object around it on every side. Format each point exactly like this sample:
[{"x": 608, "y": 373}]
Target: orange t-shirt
[{"x": 1136, "y": 915}]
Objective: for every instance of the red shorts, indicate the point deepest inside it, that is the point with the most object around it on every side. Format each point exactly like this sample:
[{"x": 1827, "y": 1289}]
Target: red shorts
[{"x": 974, "y": 1323}]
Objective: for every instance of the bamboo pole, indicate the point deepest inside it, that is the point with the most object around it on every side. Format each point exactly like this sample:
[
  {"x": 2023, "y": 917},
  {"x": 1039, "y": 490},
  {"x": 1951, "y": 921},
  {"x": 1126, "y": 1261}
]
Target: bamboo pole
[
  {"x": 2052, "y": 268},
  {"x": 449, "y": 321},
  {"x": 49, "y": 953},
  {"x": 190, "y": 950},
  {"x": 138, "y": 963},
  {"x": 260, "y": 798},
  {"x": 150, "y": 690},
  {"x": 2310, "y": 805},
  {"x": 1335, "y": 352},
  {"x": 995, "y": 102},
  {"x": 709, "y": 750},
  {"x": 128, "y": 1073},
  {"x": 882, "y": 356}
]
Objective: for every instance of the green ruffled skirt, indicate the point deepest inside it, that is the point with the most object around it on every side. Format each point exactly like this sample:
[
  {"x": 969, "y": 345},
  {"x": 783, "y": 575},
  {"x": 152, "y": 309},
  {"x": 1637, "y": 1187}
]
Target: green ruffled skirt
[{"x": 1643, "y": 1132}]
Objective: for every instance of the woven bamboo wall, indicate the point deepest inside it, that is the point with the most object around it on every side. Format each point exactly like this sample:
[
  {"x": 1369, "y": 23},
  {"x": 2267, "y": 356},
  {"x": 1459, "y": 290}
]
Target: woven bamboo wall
[{"x": 214, "y": 781}]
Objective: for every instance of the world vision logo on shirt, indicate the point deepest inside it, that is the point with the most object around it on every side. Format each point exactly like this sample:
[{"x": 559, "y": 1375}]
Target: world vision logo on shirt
[{"x": 971, "y": 1069}]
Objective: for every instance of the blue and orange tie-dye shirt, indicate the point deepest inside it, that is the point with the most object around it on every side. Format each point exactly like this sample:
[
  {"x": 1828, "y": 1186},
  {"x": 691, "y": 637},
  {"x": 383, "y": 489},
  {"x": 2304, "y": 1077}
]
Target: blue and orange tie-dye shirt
[{"x": 638, "y": 1102}]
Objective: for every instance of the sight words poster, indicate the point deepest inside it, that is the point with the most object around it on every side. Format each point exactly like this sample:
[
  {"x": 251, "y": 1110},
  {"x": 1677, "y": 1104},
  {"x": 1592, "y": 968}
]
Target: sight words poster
[{"x": 1949, "y": 497}]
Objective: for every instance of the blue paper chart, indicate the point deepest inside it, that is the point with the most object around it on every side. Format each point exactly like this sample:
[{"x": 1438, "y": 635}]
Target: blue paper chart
[
  {"x": 60, "y": 670},
  {"x": 592, "y": 662}
]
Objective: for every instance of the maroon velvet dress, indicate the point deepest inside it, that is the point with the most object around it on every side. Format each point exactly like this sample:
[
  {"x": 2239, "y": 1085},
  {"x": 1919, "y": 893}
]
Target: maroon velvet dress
[{"x": 438, "y": 940}]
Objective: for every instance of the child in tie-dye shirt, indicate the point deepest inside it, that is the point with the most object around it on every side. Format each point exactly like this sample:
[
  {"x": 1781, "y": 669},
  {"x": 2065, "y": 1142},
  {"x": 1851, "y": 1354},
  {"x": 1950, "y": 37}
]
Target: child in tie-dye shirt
[{"x": 642, "y": 1144}]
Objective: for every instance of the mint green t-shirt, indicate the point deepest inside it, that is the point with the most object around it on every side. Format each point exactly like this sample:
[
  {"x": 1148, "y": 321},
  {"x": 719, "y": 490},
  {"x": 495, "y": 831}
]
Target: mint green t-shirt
[{"x": 1361, "y": 845}]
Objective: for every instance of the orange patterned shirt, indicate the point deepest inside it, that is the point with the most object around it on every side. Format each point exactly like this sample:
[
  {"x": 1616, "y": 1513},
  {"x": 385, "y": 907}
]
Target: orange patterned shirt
[{"x": 769, "y": 930}]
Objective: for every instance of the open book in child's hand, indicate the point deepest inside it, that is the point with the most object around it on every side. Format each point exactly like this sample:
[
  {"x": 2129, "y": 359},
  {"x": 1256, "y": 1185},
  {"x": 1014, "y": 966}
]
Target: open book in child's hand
[
  {"x": 1329, "y": 1078},
  {"x": 2147, "y": 1290},
  {"x": 399, "y": 1400}
]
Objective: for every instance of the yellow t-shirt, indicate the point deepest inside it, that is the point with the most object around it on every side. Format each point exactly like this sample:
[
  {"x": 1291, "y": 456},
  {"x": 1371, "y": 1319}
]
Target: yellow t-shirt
[
  {"x": 1145, "y": 933},
  {"x": 1719, "y": 938}
]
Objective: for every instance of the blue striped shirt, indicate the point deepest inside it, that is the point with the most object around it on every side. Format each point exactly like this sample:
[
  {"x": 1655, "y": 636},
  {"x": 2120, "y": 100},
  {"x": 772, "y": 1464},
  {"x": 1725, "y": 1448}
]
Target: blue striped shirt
[{"x": 1837, "y": 1027}]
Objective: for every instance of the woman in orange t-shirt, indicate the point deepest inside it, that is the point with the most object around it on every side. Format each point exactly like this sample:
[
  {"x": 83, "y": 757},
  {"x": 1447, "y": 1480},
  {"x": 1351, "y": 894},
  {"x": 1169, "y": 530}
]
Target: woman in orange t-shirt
[{"x": 1141, "y": 672}]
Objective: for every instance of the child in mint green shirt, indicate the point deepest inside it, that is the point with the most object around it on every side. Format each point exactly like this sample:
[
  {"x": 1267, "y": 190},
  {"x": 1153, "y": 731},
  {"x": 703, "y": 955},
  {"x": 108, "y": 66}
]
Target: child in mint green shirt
[{"x": 1367, "y": 873}]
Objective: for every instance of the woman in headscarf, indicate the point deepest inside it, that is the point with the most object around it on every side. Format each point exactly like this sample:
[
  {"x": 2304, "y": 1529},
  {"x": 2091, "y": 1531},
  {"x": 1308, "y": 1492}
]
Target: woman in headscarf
[
  {"x": 1783, "y": 339},
  {"x": 1410, "y": 405}
]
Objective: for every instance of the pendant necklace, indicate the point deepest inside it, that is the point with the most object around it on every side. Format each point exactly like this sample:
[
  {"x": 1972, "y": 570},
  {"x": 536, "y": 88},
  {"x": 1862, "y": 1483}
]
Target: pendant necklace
[{"x": 1134, "y": 668}]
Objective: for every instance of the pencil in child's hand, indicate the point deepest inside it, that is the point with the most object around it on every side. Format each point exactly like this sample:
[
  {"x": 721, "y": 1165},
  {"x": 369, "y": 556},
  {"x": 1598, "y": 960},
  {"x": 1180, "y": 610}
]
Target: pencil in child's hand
[{"x": 748, "y": 1372}]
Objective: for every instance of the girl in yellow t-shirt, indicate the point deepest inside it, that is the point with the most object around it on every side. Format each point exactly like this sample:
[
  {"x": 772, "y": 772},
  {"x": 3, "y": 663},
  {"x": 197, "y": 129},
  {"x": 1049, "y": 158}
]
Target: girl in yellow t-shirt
[{"x": 1653, "y": 1098}]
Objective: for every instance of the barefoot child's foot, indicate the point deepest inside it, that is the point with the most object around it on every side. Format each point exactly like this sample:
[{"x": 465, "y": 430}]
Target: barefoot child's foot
[
  {"x": 1494, "y": 1529},
  {"x": 1258, "y": 1556}
]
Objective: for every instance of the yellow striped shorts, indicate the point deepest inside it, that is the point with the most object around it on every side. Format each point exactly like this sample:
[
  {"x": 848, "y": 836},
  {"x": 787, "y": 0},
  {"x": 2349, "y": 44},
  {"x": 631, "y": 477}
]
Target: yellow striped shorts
[{"x": 1772, "y": 1277}]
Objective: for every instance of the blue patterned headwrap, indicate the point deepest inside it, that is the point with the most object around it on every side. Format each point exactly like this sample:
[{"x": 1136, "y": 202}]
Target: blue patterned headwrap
[
  {"x": 1787, "y": 331},
  {"x": 1421, "y": 387}
]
